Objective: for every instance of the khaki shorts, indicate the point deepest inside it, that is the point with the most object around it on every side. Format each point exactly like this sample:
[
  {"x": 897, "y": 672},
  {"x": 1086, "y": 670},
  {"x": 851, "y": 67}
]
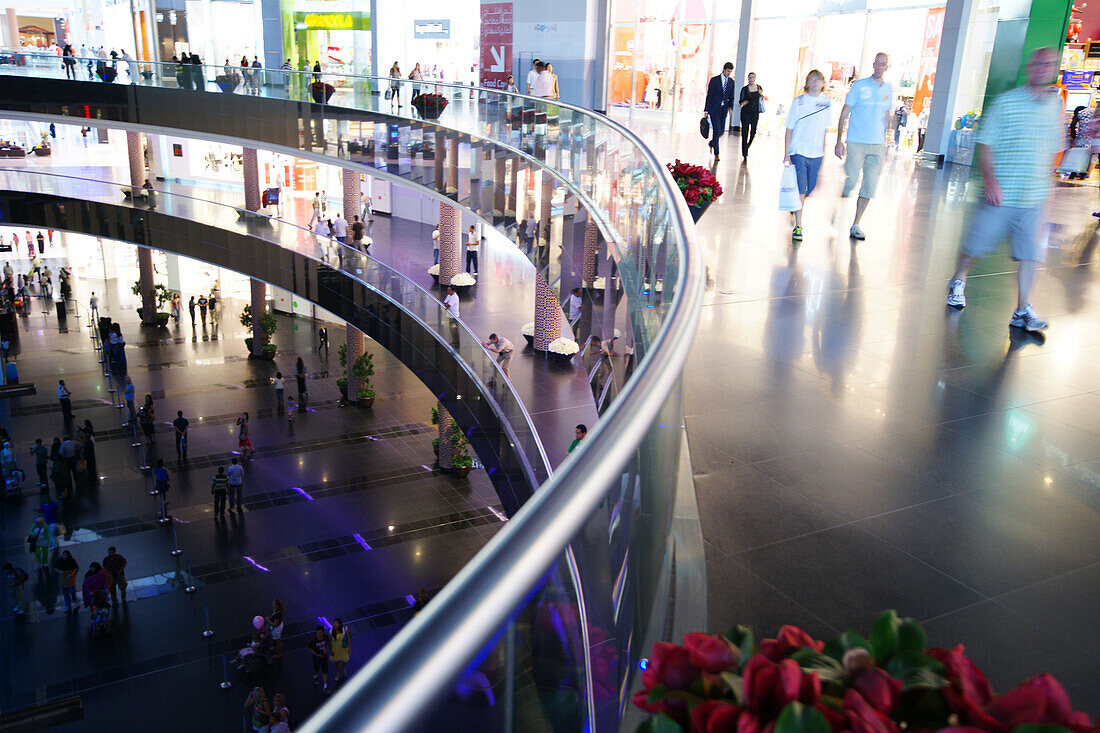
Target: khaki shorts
[
  {"x": 865, "y": 158},
  {"x": 1022, "y": 226}
]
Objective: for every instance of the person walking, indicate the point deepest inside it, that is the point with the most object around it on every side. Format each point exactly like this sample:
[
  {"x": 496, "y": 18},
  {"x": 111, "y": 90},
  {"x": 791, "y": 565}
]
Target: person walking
[
  {"x": 395, "y": 86},
  {"x": 14, "y": 579},
  {"x": 804, "y": 140},
  {"x": 261, "y": 711},
  {"x": 244, "y": 443},
  {"x": 319, "y": 651},
  {"x": 316, "y": 204},
  {"x": 64, "y": 396},
  {"x": 450, "y": 302},
  {"x": 579, "y": 433},
  {"x": 128, "y": 396},
  {"x": 38, "y": 542},
  {"x": 177, "y": 307},
  {"x": 435, "y": 246},
  {"x": 219, "y": 487},
  {"x": 279, "y": 390},
  {"x": 340, "y": 228},
  {"x": 544, "y": 82},
  {"x": 504, "y": 349},
  {"x": 86, "y": 439},
  {"x": 341, "y": 648},
  {"x": 473, "y": 242},
  {"x": 1019, "y": 136},
  {"x": 203, "y": 303},
  {"x": 68, "y": 59},
  {"x": 235, "y": 476},
  {"x": 41, "y": 464},
  {"x": 300, "y": 374},
  {"x": 93, "y": 307},
  {"x": 866, "y": 113},
  {"x": 291, "y": 407},
  {"x": 322, "y": 340},
  {"x": 160, "y": 487},
  {"x": 357, "y": 232},
  {"x": 719, "y": 100},
  {"x": 191, "y": 310},
  {"x": 532, "y": 77},
  {"x": 67, "y": 568},
  {"x": 181, "y": 424},
  {"x": 751, "y": 99},
  {"x": 922, "y": 126},
  {"x": 416, "y": 76},
  {"x": 116, "y": 566}
]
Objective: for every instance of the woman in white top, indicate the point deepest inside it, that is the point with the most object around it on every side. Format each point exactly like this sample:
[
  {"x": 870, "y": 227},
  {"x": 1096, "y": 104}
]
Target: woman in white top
[
  {"x": 472, "y": 245},
  {"x": 804, "y": 142},
  {"x": 416, "y": 75},
  {"x": 395, "y": 85}
]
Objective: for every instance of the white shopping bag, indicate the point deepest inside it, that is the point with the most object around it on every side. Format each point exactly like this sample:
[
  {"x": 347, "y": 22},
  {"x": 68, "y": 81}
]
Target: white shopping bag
[{"x": 789, "y": 199}]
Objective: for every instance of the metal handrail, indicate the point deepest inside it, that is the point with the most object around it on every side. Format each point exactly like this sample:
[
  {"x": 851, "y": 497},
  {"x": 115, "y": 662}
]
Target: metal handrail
[{"x": 389, "y": 693}]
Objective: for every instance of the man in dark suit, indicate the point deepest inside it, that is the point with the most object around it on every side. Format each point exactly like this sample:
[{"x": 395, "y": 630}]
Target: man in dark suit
[{"x": 720, "y": 99}]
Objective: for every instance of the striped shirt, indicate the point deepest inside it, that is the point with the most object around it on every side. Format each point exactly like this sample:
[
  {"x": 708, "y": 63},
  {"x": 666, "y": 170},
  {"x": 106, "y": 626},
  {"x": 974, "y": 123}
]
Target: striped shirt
[
  {"x": 1023, "y": 131},
  {"x": 221, "y": 483}
]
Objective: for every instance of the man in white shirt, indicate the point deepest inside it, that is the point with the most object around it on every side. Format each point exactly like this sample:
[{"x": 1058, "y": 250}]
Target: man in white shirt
[
  {"x": 340, "y": 228},
  {"x": 544, "y": 82},
  {"x": 316, "y": 208},
  {"x": 435, "y": 246},
  {"x": 450, "y": 302},
  {"x": 93, "y": 305},
  {"x": 532, "y": 75},
  {"x": 504, "y": 349},
  {"x": 235, "y": 474},
  {"x": 867, "y": 111},
  {"x": 575, "y": 304},
  {"x": 473, "y": 243}
]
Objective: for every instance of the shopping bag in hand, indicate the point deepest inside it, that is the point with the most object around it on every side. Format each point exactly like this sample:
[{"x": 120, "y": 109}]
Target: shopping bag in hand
[
  {"x": 789, "y": 199},
  {"x": 704, "y": 127}
]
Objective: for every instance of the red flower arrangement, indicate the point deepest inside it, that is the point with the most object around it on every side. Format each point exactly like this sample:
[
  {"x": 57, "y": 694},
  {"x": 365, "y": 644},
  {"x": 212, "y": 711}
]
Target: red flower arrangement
[
  {"x": 430, "y": 100},
  {"x": 698, "y": 184},
  {"x": 886, "y": 683}
]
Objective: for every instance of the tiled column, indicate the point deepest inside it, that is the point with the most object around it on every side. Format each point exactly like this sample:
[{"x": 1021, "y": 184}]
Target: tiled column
[
  {"x": 591, "y": 244},
  {"x": 440, "y": 159},
  {"x": 259, "y": 307},
  {"x": 353, "y": 195},
  {"x": 547, "y": 314},
  {"x": 145, "y": 280},
  {"x": 452, "y": 165},
  {"x": 251, "y": 170},
  {"x": 500, "y": 189},
  {"x": 544, "y": 209},
  {"x": 446, "y": 425},
  {"x": 450, "y": 263},
  {"x": 136, "y": 156},
  {"x": 356, "y": 349}
]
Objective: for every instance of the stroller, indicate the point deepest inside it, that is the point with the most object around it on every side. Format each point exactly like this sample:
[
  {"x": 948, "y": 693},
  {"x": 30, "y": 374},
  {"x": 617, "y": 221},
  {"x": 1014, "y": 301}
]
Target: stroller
[
  {"x": 256, "y": 654},
  {"x": 101, "y": 613},
  {"x": 13, "y": 482}
]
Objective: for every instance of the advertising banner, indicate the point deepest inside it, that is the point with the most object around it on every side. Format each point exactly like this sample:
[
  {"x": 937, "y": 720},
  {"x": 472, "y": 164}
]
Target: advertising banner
[
  {"x": 933, "y": 29},
  {"x": 496, "y": 44}
]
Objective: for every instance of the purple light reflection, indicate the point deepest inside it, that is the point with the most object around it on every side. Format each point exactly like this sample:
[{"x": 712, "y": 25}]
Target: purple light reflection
[
  {"x": 303, "y": 493},
  {"x": 255, "y": 564},
  {"x": 362, "y": 542}
]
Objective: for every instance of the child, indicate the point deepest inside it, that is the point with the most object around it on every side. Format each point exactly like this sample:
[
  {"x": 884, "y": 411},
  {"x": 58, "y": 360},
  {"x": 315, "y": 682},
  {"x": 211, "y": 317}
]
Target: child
[{"x": 290, "y": 405}]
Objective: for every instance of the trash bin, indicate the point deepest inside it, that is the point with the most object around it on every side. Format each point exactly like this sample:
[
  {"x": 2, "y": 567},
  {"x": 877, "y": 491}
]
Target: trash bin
[{"x": 11, "y": 373}]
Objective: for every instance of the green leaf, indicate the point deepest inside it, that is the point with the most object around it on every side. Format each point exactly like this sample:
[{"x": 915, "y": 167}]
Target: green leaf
[
  {"x": 1039, "y": 728},
  {"x": 915, "y": 669},
  {"x": 799, "y": 718},
  {"x": 742, "y": 638},
  {"x": 884, "y": 636},
  {"x": 911, "y": 636},
  {"x": 735, "y": 685},
  {"x": 656, "y": 693},
  {"x": 660, "y": 723},
  {"x": 827, "y": 668},
  {"x": 850, "y": 640}
]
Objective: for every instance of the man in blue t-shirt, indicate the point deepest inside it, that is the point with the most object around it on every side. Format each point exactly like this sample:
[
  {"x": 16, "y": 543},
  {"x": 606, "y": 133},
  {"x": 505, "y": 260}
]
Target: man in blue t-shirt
[{"x": 867, "y": 111}]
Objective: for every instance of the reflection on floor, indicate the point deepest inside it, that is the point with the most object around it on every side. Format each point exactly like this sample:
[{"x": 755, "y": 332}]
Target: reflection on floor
[
  {"x": 858, "y": 446},
  {"x": 343, "y": 516}
]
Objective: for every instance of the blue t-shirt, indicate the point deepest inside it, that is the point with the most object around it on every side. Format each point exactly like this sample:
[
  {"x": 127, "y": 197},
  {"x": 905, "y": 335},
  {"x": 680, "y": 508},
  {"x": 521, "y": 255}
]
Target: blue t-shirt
[{"x": 870, "y": 101}]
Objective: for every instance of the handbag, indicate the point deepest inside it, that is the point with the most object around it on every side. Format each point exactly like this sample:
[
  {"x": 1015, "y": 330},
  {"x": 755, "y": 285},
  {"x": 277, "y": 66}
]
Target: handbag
[
  {"x": 704, "y": 127},
  {"x": 762, "y": 108},
  {"x": 1075, "y": 160},
  {"x": 789, "y": 200},
  {"x": 389, "y": 94}
]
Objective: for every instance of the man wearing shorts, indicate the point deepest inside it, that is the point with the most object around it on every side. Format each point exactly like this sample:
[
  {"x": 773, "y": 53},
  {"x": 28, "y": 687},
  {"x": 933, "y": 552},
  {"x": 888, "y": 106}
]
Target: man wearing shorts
[
  {"x": 1017, "y": 140},
  {"x": 868, "y": 108}
]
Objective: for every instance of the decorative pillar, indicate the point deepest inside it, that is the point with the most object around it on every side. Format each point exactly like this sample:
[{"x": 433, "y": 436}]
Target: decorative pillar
[
  {"x": 591, "y": 245},
  {"x": 251, "y": 168},
  {"x": 440, "y": 159},
  {"x": 259, "y": 307},
  {"x": 136, "y": 157},
  {"x": 544, "y": 209},
  {"x": 353, "y": 195},
  {"x": 355, "y": 349},
  {"x": 447, "y": 425},
  {"x": 145, "y": 282},
  {"x": 547, "y": 314},
  {"x": 500, "y": 190},
  {"x": 513, "y": 190},
  {"x": 452, "y": 165},
  {"x": 450, "y": 264}
]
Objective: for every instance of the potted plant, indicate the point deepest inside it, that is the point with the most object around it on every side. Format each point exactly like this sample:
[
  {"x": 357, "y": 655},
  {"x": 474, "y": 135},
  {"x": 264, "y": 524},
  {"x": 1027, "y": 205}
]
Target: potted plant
[
  {"x": 363, "y": 368},
  {"x": 528, "y": 332},
  {"x": 462, "y": 282},
  {"x": 162, "y": 295},
  {"x": 562, "y": 349},
  {"x": 461, "y": 461},
  {"x": 227, "y": 83},
  {"x": 342, "y": 382},
  {"x": 434, "y": 272},
  {"x": 268, "y": 324},
  {"x": 698, "y": 185},
  {"x": 321, "y": 92},
  {"x": 429, "y": 106},
  {"x": 435, "y": 421}
]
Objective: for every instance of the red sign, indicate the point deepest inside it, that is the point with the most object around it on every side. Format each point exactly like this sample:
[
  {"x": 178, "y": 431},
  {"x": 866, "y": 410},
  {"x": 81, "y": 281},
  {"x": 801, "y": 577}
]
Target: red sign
[
  {"x": 496, "y": 44},
  {"x": 933, "y": 28}
]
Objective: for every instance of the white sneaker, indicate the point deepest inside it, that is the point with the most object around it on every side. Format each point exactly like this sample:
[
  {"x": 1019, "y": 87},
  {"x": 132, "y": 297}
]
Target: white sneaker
[
  {"x": 956, "y": 295},
  {"x": 1027, "y": 320},
  {"x": 857, "y": 233}
]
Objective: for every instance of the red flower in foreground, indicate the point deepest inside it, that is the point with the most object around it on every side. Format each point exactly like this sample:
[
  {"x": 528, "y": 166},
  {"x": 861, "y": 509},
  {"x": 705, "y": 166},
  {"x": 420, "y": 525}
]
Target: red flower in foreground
[
  {"x": 791, "y": 638},
  {"x": 769, "y": 687},
  {"x": 711, "y": 653},
  {"x": 691, "y": 195},
  {"x": 879, "y": 689},
  {"x": 862, "y": 718},
  {"x": 670, "y": 665},
  {"x": 715, "y": 716}
]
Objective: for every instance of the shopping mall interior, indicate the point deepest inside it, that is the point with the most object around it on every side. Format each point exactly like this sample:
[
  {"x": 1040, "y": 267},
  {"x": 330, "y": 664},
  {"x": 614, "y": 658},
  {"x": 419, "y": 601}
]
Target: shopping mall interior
[{"x": 386, "y": 367}]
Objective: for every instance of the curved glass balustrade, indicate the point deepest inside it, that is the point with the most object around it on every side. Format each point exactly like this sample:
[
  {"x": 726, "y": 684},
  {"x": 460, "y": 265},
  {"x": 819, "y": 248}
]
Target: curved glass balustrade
[{"x": 552, "y": 615}]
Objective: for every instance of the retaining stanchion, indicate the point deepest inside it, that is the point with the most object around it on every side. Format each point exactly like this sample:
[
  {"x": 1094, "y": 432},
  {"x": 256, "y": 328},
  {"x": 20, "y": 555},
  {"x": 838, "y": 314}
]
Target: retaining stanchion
[
  {"x": 190, "y": 580},
  {"x": 207, "y": 632},
  {"x": 164, "y": 518},
  {"x": 175, "y": 541},
  {"x": 225, "y": 683},
  {"x": 137, "y": 443}
]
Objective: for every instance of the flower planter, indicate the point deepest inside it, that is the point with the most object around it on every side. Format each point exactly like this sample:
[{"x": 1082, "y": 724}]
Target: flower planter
[
  {"x": 699, "y": 209},
  {"x": 530, "y": 340},
  {"x": 429, "y": 111},
  {"x": 436, "y": 279},
  {"x": 560, "y": 358},
  {"x": 343, "y": 391},
  {"x": 147, "y": 75},
  {"x": 462, "y": 472},
  {"x": 321, "y": 93},
  {"x": 226, "y": 83},
  {"x": 369, "y": 402},
  {"x": 462, "y": 289}
]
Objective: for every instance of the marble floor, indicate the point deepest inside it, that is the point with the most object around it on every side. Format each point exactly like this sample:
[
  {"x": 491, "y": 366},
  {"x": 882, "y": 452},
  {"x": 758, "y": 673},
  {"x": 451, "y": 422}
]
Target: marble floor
[{"x": 858, "y": 446}]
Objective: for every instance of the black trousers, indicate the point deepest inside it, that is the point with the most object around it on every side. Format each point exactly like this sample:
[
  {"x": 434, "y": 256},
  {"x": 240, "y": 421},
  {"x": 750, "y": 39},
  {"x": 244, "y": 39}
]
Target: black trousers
[
  {"x": 749, "y": 120},
  {"x": 471, "y": 257},
  {"x": 66, "y": 406},
  {"x": 219, "y": 502},
  {"x": 717, "y": 129}
]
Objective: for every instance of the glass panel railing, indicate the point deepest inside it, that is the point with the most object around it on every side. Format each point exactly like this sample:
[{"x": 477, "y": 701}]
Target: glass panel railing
[{"x": 555, "y": 611}]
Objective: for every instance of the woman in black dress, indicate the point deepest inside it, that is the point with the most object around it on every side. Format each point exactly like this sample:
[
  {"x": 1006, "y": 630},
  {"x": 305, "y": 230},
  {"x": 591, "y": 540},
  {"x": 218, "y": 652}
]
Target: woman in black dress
[
  {"x": 301, "y": 379},
  {"x": 750, "y": 113}
]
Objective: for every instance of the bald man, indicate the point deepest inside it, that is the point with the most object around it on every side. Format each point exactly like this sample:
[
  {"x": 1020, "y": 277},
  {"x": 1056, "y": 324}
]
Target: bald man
[
  {"x": 1019, "y": 136},
  {"x": 866, "y": 114}
]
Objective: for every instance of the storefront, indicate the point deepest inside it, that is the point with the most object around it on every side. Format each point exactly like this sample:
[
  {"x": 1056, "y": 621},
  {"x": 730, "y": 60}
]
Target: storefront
[
  {"x": 442, "y": 36},
  {"x": 663, "y": 52},
  {"x": 336, "y": 33},
  {"x": 841, "y": 38}
]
